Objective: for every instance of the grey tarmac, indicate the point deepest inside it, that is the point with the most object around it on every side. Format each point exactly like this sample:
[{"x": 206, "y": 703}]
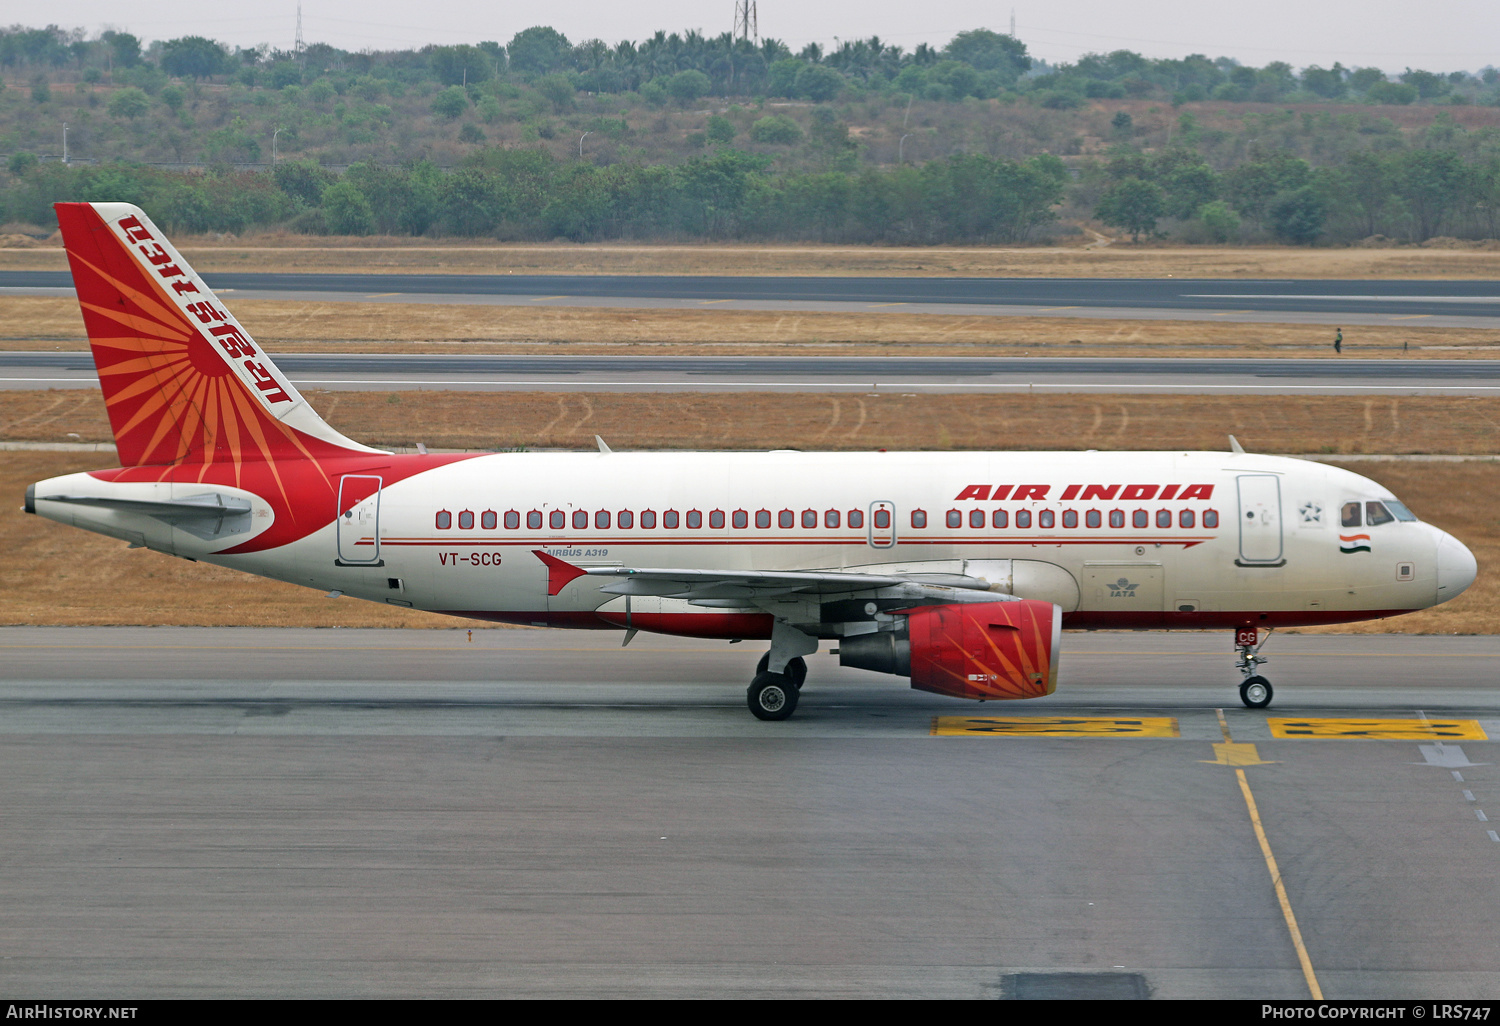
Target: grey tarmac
[
  {"x": 199, "y": 812},
  {"x": 865, "y": 374}
]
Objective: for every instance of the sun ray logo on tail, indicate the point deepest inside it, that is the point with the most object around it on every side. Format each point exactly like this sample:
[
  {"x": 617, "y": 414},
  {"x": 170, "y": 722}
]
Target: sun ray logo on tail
[{"x": 1351, "y": 543}]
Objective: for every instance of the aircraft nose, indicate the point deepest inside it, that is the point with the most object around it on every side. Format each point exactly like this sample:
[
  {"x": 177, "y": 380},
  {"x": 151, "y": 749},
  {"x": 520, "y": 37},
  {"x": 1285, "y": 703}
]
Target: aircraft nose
[{"x": 1456, "y": 567}]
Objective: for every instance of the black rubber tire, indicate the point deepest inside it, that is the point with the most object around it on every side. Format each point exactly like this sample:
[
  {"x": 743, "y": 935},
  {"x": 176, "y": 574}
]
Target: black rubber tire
[
  {"x": 796, "y": 668},
  {"x": 771, "y": 696},
  {"x": 1256, "y": 692}
]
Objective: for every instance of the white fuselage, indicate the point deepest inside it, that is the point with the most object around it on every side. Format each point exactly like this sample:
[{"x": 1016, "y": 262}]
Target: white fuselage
[{"x": 1117, "y": 539}]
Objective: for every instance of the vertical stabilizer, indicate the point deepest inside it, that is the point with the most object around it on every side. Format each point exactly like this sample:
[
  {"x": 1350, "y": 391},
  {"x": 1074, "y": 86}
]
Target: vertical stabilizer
[{"x": 183, "y": 381}]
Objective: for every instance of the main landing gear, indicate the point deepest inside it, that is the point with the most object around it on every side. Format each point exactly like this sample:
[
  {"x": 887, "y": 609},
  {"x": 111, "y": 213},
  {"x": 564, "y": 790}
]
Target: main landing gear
[
  {"x": 773, "y": 696},
  {"x": 1255, "y": 690}
]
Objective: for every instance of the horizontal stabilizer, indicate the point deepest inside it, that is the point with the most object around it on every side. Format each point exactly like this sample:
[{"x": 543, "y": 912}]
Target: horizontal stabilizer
[{"x": 199, "y": 507}]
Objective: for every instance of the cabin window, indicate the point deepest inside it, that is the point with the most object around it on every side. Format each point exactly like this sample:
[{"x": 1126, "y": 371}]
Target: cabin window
[
  {"x": 694, "y": 519},
  {"x": 534, "y": 520},
  {"x": 1140, "y": 518},
  {"x": 716, "y": 519},
  {"x": 512, "y": 519},
  {"x": 1185, "y": 518},
  {"x": 444, "y": 520},
  {"x": 762, "y": 519},
  {"x": 557, "y": 520},
  {"x": 1350, "y": 516},
  {"x": 882, "y": 520},
  {"x": 809, "y": 518},
  {"x": 831, "y": 518},
  {"x": 856, "y": 518},
  {"x": 489, "y": 520},
  {"x": 1045, "y": 519},
  {"x": 1163, "y": 518},
  {"x": 601, "y": 520},
  {"x": 1210, "y": 518},
  {"x": 976, "y": 518},
  {"x": 741, "y": 519},
  {"x": 1023, "y": 518},
  {"x": 1117, "y": 518},
  {"x": 1070, "y": 518},
  {"x": 1376, "y": 514},
  {"x": 466, "y": 520},
  {"x": 785, "y": 519},
  {"x": 919, "y": 518},
  {"x": 648, "y": 519},
  {"x": 625, "y": 519},
  {"x": 955, "y": 518},
  {"x": 1093, "y": 518},
  {"x": 669, "y": 520},
  {"x": 580, "y": 519},
  {"x": 1000, "y": 519}
]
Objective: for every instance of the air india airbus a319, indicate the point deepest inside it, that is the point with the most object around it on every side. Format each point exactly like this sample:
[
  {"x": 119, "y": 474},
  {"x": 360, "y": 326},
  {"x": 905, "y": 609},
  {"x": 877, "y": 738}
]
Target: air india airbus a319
[{"x": 957, "y": 570}]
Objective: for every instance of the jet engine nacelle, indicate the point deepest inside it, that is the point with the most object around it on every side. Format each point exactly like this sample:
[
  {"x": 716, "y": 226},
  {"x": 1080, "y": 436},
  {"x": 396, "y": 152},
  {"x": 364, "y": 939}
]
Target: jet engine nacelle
[{"x": 982, "y": 650}]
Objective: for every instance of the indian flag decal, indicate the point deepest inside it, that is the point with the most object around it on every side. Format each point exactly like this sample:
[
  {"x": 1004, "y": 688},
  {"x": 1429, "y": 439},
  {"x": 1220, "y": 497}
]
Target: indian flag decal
[{"x": 1354, "y": 543}]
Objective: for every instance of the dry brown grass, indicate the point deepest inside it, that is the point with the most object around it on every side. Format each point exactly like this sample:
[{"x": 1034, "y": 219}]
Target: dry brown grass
[
  {"x": 1120, "y": 260},
  {"x": 52, "y": 574},
  {"x": 31, "y": 322},
  {"x": 758, "y": 420}
]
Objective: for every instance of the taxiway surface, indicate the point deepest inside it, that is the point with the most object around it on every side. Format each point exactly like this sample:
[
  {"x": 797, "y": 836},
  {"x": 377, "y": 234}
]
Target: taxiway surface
[
  {"x": 196, "y": 812},
  {"x": 489, "y": 372},
  {"x": 1460, "y": 304}
]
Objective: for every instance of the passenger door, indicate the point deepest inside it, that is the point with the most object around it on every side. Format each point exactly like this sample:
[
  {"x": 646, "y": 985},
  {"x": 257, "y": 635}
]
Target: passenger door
[{"x": 1260, "y": 520}]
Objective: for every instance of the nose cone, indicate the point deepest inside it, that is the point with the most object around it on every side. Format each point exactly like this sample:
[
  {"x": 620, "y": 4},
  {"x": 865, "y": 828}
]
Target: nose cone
[{"x": 1456, "y": 567}]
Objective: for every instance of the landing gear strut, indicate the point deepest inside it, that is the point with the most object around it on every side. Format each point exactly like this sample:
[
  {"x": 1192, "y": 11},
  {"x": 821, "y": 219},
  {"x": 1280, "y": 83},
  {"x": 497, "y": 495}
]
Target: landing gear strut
[{"x": 1255, "y": 690}]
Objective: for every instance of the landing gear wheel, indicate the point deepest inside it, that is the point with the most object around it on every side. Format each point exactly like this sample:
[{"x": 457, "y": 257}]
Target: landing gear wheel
[
  {"x": 796, "y": 668},
  {"x": 772, "y": 696},
  {"x": 1256, "y": 692}
]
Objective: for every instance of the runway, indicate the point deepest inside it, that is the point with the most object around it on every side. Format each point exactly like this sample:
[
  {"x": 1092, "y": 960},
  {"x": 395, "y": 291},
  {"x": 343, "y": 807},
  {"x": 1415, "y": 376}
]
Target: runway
[
  {"x": 1454, "y": 304},
  {"x": 359, "y": 371},
  {"x": 540, "y": 814}
]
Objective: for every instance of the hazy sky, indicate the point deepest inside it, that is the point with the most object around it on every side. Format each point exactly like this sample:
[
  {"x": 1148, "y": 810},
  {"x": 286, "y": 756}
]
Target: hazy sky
[{"x": 1440, "y": 35}]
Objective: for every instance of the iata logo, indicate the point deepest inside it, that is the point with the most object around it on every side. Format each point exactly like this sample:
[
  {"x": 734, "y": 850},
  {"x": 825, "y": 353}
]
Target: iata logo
[{"x": 1123, "y": 588}]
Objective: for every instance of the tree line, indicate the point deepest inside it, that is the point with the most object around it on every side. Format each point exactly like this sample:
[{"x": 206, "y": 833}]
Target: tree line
[
  {"x": 527, "y": 194},
  {"x": 517, "y": 194},
  {"x": 977, "y": 63}
]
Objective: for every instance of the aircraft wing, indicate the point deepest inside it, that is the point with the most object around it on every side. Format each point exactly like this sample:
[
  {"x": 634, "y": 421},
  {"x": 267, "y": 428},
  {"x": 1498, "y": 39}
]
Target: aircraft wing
[{"x": 704, "y": 586}]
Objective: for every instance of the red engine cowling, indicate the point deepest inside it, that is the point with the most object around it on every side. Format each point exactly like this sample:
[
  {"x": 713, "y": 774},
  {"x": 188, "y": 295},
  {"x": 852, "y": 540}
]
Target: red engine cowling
[{"x": 986, "y": 650}]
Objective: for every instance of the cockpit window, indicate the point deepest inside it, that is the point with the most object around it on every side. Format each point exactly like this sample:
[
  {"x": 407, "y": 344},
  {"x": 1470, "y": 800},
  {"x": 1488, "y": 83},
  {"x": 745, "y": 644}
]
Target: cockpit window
[
  {"x": 1376, "y": 514},
  {"x": 1399, "y": 510},
  {"x": 1350, "y": 516}
]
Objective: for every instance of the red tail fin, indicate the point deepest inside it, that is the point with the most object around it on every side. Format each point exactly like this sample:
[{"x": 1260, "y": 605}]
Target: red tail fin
[{"x": 182, "y": 379}]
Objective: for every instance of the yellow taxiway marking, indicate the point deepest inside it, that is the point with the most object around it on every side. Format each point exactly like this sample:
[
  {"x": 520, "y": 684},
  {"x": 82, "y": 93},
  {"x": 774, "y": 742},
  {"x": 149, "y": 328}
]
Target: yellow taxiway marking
[
  {"x": 711, "y": 302},
  {"x": 1235, "y": 753},
  {"x": 543, "y": 299},
  {"x": 1379, "y": 730},
  {"x": 1053, "y": 726},
  {"x": 888, "y": 304},
  {"x": 1265, "y": 849},
  {"x": 381, "y": 295}
]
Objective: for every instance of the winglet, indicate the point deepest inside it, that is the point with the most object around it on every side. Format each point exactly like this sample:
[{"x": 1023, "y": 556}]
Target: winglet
[
  {"x": 559, "y": 573},
  {"x": 602, "y": 447},
  {"x": 1235, "y": 446}
]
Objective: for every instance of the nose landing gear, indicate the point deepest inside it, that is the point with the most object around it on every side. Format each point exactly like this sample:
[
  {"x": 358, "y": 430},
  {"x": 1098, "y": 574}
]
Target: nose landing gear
[{"x": 1255, "y": 690}]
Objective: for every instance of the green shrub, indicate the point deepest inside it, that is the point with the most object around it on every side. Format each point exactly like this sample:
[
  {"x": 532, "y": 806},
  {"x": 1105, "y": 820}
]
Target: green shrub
[
  {"x": 776, "y": 130},
  {"x": 449, "y": 105}
]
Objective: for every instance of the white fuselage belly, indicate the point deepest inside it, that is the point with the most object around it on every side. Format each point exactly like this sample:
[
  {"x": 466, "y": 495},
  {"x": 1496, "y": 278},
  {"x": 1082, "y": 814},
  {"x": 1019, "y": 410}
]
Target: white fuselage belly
[{"x": 1127, "y": 576}]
